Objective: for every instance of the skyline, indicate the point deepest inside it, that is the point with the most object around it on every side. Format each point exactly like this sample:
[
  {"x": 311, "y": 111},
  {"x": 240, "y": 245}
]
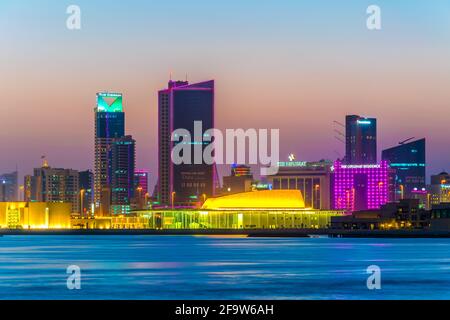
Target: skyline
[{"x": 253, "y": 70}]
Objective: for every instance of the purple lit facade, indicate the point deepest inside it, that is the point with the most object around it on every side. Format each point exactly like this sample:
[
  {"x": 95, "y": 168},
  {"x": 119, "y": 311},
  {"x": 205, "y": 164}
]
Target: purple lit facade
[{"x": 360, "y": 187}]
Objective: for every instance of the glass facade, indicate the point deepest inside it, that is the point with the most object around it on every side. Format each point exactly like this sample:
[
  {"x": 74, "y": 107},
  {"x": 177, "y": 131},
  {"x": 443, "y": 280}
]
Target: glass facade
[{"x": 228, "y": 219}]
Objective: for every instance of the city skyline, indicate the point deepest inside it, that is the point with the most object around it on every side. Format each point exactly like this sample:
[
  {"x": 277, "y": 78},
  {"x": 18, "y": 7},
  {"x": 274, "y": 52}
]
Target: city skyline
[{"x": 253, "y": 69}]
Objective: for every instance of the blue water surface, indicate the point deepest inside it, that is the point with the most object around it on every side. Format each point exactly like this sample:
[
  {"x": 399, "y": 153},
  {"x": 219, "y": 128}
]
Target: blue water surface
[{"x": 221, "y": 267}]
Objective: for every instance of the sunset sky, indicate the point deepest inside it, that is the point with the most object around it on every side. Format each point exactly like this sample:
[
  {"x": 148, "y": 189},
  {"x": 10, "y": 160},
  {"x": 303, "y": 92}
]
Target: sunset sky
[{"x": 288, "y": 64}]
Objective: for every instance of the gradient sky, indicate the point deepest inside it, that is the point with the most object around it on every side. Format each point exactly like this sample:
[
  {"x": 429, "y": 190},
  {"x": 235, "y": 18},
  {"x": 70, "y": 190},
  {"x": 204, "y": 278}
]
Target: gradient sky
[{"x": 288, "y": 64}]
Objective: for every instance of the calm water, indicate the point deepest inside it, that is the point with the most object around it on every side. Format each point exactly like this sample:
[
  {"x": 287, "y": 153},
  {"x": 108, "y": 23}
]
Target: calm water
[{"x": 187, "y": 267}]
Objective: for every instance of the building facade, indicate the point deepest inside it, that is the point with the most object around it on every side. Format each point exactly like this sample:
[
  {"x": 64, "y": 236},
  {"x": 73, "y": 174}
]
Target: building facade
[
  {"x": 180, "y": 106},
  {"x": 361, "y": 140},
  {"x": 239, "y": 180},
  {"x": 439, "y": 190},
  {"x": 109, "y": 124},
  {"x": 54, "y": 185},
  {"x": 86, "y": 182},
  {"x": 409, "y": 162},
  {"x": 360, "y": 187},
  {"x": 313, "y": 179},
  {"x": 9, "y": 187},
  {"x": 123, "y": 154}
]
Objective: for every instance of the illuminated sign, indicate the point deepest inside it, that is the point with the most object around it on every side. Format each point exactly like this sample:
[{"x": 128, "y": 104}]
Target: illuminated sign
[
  {"x": 109, "y": 102},
  {"x": 364, "y": 122},
  {"x": 360, "y": 166},
  {"x": 407, "y": 164},
  {"x": 293, "y": 164}
]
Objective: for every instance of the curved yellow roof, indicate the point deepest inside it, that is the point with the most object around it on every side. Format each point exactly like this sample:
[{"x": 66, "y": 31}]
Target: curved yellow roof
[{"x": 280, "y": 199}]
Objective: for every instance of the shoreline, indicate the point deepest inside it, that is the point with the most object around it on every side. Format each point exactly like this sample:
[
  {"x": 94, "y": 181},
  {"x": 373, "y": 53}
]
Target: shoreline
[{"x": 285, "y": 233}]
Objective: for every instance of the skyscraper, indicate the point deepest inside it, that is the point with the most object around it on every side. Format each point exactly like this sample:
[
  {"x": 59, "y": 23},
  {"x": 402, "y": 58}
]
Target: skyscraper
[
  {"x": 9, "y": 188},
  {"x": 361, "y": 140},
  {"x": 180, "y": 105},
  {"x": 122, "y": 177},
  {"x": 109, "y": 124},
  {"x": 408, "y": 161}
]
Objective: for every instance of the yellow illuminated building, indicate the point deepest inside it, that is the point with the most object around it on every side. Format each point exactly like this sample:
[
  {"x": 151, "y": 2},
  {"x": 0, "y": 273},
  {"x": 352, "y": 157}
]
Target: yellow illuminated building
[
  {"x": 35, "y": 215},
  {"x": 270, "y": 209}
]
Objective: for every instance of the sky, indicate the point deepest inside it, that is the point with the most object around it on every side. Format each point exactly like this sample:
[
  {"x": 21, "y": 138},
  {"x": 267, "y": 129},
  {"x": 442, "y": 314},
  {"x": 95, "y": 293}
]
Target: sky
[{"x": 291, "y": 65}]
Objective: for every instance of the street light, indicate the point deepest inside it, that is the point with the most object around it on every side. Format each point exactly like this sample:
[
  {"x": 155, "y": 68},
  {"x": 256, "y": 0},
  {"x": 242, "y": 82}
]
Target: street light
[{"x": 173, "y": 199}]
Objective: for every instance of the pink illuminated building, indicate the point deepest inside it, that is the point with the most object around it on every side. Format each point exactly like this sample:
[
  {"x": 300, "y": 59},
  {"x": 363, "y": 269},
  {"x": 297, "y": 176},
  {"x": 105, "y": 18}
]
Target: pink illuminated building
[{"x": 360, "y": 187}]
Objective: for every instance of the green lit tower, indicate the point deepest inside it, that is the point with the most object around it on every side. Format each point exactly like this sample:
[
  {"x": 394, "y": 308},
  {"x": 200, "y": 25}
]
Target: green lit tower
[{"x": 109, "y": 125}]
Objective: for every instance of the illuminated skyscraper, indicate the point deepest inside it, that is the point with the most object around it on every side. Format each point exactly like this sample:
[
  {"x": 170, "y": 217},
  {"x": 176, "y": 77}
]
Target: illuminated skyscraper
[
  {"x": 408, "y": 161},
  {"x": 122, "y": 177},
  {"x": 360, "y": 187},
  {"x": 180, "y": 105},
  {"x": 109, "y": 124},
  {"x": 361, "y": 140}
]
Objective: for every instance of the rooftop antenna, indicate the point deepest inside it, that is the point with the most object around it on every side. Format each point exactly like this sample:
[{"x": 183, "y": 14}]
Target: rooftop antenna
[
  {"x": 338, "y": 123},
  {"x": 186, "y": 77}
]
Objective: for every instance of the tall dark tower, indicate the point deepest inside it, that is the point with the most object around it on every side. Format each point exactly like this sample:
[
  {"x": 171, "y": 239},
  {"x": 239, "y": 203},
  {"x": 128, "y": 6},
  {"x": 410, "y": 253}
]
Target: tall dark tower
[
  {"x": 180, "y": 105},
  {"x": 409, "y": 162},
  {"x": 122, "y": 178},
  {"x": 109, "y": 124},
  {"x": 361, "y": 140}
]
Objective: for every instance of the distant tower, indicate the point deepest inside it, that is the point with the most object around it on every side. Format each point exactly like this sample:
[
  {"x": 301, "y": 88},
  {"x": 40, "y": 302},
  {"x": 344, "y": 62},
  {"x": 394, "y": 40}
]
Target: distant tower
[
  {"x": 180, "y": 105},
  {"x": 109, "y": 124},
  {"x": 361, "y": 140}
]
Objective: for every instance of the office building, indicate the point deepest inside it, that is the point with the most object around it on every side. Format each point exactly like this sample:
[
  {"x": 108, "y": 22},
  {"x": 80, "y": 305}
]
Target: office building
[
  {"x": 361, "y": 140},
  {"x": 313, "y": 179},
  {"x": 408, "y": 161},
  {"x": 9, "y": 187},
  {"x": 109, "y": 124},
  {"x": 122, "y": 178},
  {"x": 360, "y": 187},
  {"x": 53, "y": 185},
  {"x": 180, "y": 105}
]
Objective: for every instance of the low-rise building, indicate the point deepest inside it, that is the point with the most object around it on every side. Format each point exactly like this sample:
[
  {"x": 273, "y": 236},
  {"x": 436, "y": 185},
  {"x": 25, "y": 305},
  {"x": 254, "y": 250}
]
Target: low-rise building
[{"x": 405, "y": 214}]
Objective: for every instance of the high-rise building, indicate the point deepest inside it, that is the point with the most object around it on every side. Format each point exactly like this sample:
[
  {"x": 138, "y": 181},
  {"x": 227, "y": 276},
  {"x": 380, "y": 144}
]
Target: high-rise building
[
  {"x": 313, "y": 179},
  {"x": 122, "y": 177},
  {"x": 9, "y": 188},
  {"x": 86, "y": 182},
  {"x": 54, "y": 185},
  {"x": 361, "y": 140},
  {"x": 360, "y": 187},
  {"x": 408, "y": 161},
  {"x": 180, "y": 105},
  {"x": 109, "y": 124}
]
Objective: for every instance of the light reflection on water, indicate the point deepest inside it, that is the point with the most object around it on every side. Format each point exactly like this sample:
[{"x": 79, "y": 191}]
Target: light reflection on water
[{"x": 201, "y": 267}]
